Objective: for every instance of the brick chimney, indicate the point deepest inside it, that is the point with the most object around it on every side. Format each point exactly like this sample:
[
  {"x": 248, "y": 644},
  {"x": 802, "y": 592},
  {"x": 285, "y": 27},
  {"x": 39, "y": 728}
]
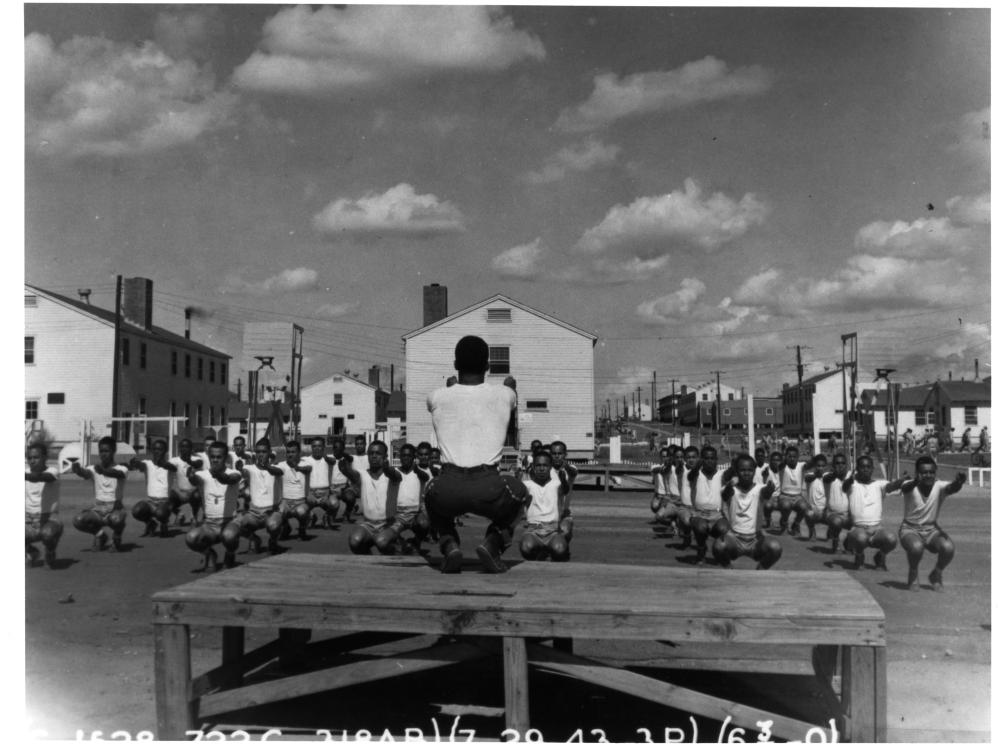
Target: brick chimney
[
  {"x": 435, "y": 303},
  {"x": 137, "y": 302}
]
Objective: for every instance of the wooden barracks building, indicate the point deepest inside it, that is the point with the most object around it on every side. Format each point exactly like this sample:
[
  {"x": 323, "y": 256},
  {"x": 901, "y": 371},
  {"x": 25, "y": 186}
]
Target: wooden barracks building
[
  {"x": 552, "y": 361},
  {"x": 69, "y": 364}
]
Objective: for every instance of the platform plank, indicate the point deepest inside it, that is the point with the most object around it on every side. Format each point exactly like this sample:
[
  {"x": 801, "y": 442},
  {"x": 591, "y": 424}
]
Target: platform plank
[{"x": 582, "y": 600}]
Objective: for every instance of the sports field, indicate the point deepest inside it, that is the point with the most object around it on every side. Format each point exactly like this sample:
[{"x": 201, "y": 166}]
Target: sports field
[{"x": 89, "y": 657}]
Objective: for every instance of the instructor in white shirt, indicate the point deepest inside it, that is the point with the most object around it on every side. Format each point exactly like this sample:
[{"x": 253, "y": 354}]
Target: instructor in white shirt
[{"x": 470, "y": 419}]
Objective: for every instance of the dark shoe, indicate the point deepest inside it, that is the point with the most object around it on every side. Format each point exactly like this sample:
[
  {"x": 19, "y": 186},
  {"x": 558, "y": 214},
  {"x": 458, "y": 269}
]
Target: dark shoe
[
  {"x": 100, "y": 543},
  {"x": 150, "y": 529},
  {"x": 32, "y": 555},
  {"x": 452, "y": 562},
  {"x": 685, "y": 541},
  {"x": 835, "y": 544},
  {"x": 859, "y": 560},
  {"x": 116, "y": 543},
  {"x": 795, "y": 530},
  {"x": 229, "y": 560},
  {"x": 911, "y": 580},
  {"x": 812, "y": 535},
  {"x": 489, "y": 554},
  {"x": 255, "y": 545},
  {"x": 50, "y": 557}
]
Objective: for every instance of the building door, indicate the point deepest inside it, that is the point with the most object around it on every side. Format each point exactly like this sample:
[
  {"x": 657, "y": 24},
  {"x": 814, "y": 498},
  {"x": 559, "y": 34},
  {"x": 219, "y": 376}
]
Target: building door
[{"x": 338, "y": 425}]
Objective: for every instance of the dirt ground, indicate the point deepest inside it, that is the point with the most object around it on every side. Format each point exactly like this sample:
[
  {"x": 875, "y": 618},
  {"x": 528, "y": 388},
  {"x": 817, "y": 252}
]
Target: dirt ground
[{"x": 89, "y": 657}]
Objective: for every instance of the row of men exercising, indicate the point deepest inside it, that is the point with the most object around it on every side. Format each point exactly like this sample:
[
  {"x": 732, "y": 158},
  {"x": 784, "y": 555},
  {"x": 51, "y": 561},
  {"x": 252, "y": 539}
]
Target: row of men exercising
[
  {"x": 213, "y": 482},
  {"x": 735, "y": 507}
]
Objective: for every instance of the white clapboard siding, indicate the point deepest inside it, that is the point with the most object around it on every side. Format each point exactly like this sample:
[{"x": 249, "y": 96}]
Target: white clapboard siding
[
  {"x": 73, "y": 356},
  {"x": 550, "y": 362},
  {"x": 317, "y": 400}
]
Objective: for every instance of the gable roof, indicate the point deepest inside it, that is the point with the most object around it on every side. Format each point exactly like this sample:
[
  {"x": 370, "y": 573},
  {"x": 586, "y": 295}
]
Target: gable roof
[
  {"x": 912, "y": 397},
  {"x": 108, "y": 316},
  {"x": 506, "y": 300},
  {"x": 963, "y": 391},
  {"x": 338, "y": 375}
]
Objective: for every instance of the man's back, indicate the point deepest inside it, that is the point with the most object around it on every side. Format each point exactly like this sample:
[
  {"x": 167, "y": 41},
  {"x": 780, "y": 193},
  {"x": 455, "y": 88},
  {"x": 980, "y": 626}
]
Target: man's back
[{"x": 470, "y": 422}]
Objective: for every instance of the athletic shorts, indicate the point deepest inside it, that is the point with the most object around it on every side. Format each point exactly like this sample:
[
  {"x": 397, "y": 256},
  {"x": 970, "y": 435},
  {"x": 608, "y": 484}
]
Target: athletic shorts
[
  {"x": 319, "y": 495},
  {"x": 184, "y": 496},
  {"x": 793, "y": 499},
  {"x": 870, "y": 529},
  {"x": 33, "y": 522},
  {"x": 746, "y": 544},
  {"x": 374, "y": 527},
  {"x": 337, "y": 490},
  {"x": 406, "y": 517},
  {"x": 832, "y": 515},
  {"x": 216, "y": 524},
  {"x": 542, "y": 532},
  {"x": 926, "y": 531},
  {"x": 103, "y": 510},
  {"x": 254, "y": 518},
  {"x": 708, "y": 515},
  {"x": 290, "y": 503}
]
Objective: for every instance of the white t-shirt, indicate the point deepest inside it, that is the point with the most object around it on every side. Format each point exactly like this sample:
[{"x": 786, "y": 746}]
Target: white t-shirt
[
  {"x": 919, "y": 510},
  {"x": 181, "y": 481},
  {"x": 744, "y": 509},
  {"x": 337, "y": 477},
  {"x": 708, "y": 491},
  {"x": 470, "y": 422},
  {"x": 374, "y": 496},
  {"x": 865, "y": 501},
  {"x": 758, "y": 474},
  {"x": 293, "y": 482},
  {"x": 261, "y": 487},
  {"x": 409, "y": 491},
  {"x": 157, "y": 480},
  {"x": 42, "y": 497},
  {"x": 836, "y": 498},
  {"x": 360, "y": 463},
  {"x": 817, "y": 494},
  {"x": 219, "y": 498},
  {"x": 791, "y": 480},
  {"x": 108, "y": 489},
  {"x": 687, "y": 491},
  {"x": 673, "y": 484},
  {"x": 544, "y": 505},
  {"x": 659, "y": 483},
  {"x": 319, "y": 477}
]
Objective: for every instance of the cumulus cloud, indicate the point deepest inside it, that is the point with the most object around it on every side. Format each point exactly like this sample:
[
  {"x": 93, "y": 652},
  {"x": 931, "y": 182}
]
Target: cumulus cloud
[
  {"x": 399, "y": 210},
  {"x": 685, "y": 217},
  {"x": 970, "y": 210},
  {"x": 579, "y": 157},
  {"x": 923, "y": 238},
  {"x": 91, "y": 96},
  {"x": 328, "y": 50},
  {"x": 705, "y": 80},
  {"x": 671, "y": 306},
  {"x": 520, "y": 262},
  {"x": 289, "y": 280}
]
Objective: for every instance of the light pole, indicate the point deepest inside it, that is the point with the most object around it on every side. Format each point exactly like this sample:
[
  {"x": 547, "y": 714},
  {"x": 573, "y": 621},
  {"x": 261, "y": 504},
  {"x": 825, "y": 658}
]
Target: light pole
[
  {"x": 891, "y": 408},
  {"x": 254, "y": 378}
]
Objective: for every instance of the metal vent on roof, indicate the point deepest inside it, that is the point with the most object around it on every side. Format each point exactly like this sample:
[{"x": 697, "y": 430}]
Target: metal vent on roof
[{"x": 498, "y": 315}]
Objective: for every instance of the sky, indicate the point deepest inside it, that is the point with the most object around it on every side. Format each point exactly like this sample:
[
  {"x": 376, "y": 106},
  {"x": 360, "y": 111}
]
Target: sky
[{"x": 704, "y": 189}]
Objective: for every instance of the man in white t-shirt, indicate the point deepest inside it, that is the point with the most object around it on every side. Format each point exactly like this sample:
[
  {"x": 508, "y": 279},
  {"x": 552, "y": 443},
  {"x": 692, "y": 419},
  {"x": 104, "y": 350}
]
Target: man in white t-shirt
[
  {"x": 470, "y": 419},
  {"x": 864, "y": 499},
  {"x": 109, "y": 492},
  {"x": 155, "y": 510},
  {"x": 41, "y": 506}
]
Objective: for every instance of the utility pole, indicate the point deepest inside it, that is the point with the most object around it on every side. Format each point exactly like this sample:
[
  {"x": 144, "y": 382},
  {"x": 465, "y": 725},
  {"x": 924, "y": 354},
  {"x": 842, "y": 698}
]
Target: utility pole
[
  {"x": 849, "y": 348},
  {"x": 117, "y": 361},
  {"x": 638, "y": 391},
  {"x": 673, "y": 406},
  {"x": 652, "y": 401},
  {"x": 802, "y": 400},
  {"x": 718, "y": 400}
]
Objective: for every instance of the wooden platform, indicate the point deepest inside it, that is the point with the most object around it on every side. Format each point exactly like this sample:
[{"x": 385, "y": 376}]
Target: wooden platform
[{"x": 382, "y": 599}]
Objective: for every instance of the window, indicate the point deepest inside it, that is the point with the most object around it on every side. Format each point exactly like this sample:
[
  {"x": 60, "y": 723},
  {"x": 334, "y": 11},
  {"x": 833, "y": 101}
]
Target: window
[
  {"x": 350, "y": 416},
  {"x": 222, "y": 373},
  {"x": 539, "y": 405},
  {"x": 29, "y": 350},
  {"x": 727, "y": 412},
  {"x": 971, "y": 415},
  {"x": 56, "y": 398},
  {"x": 732, "y": 396},
  {"x": 338, "y": 399},
  {"x": 920, "y": 417},
  {"x": 197, "y": 416},
  {"x": 499, "y": 315},
  {"x": 173, "y": 408},
  {"x": 211, "y": 415},
  {"x": 31, "y": 409},
  {"x": 704, "y": 397},
  {"x": 142, "y": 405},
  {"x": 211, "y": 371},
  {"x": 201, "y": 369},
  {"x": 930, "y": 416},
  {"x": 31, "y": 300},
  {"x": 187, "y": 365},
  {"x": 500, "y": 360},
  {"x": 222, "y": 414},
  {"x": 768, "y": 411},
  {"x": 321, "y": 416},
  {"x": 125, "y": 351},
  {"x": 173, "y": 363},
  {"x": 187, "y": 410},
  {"x": 142, "y": 355}
]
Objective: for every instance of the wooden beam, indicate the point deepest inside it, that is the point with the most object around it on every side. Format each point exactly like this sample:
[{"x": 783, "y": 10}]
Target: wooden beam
[
  {"x": 664, "y": 693},
  {"x": 864, "y": 693},
  {"x": 225, "y": 675},
  {"x": 515, "y": 685},
  {"x": 338, "y": 677},
  {"x": 175, "y": 711}
]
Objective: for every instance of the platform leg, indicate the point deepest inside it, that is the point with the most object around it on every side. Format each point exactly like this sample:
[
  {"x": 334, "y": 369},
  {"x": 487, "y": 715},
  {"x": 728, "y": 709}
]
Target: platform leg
[
  {"x": 232, "y": 651},
  {"x": 515, "y": 683},
  {"x": 175, "y": 713},
  {"x": 864, "y": 693}
]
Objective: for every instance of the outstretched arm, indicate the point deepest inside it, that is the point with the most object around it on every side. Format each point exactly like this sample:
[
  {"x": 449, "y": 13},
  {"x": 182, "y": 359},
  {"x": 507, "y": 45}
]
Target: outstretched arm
[
  {"x": 896, "y": 484},
  {"x": 393, "y": 474},
  {"x": 956, "y": 484},
  {"x": 275, "y": 471},
  {"x": 112, "y": 472},
  {"x": 136, "y": 465},
  {"x": 41, "y": 476},
  {"x": 348, "y": 471}
]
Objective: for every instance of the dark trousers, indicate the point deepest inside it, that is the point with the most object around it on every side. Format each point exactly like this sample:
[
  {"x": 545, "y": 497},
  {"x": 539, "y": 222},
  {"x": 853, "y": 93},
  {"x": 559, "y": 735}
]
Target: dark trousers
[{"x": 483, "y": 491}]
